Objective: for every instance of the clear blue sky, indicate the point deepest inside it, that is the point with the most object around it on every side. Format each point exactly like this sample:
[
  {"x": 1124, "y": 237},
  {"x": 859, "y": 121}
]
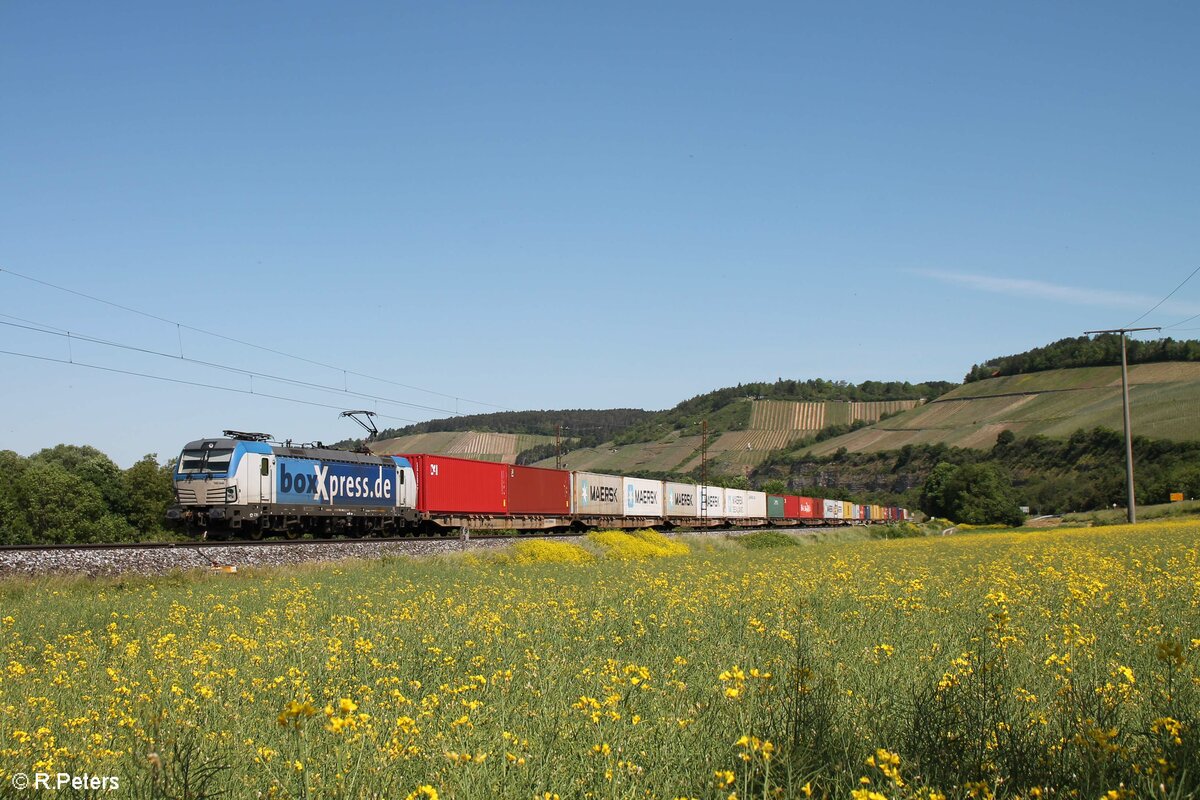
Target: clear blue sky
[{"x": 553, "y": 205}]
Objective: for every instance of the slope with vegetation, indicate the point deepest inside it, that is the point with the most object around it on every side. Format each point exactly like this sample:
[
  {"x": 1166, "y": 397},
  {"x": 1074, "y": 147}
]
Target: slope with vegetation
[
  {"x": 745, "y": 423},
  {"x": 1164, "y": 398}
]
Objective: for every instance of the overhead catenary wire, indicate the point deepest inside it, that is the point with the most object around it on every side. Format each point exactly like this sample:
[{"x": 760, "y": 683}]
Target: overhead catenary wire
[
  {"x": 187, "y": 383},
  {"x": 1165, "y": 299},
  {"x": 1176, "y": 327},
  {"x": 180, "y": 325},
  {"x": 72, "y": 336}
]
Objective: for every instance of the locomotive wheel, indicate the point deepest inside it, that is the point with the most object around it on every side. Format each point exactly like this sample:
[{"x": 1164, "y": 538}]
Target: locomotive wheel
[{"x": 255, "y": 534}]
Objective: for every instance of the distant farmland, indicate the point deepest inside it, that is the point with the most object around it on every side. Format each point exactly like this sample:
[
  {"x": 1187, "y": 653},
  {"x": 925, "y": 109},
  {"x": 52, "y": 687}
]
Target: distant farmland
[
  {"x": 1164, "y": 397},
  {"x": 502, "y": 447},
  {"x": 774, "y": 424}
]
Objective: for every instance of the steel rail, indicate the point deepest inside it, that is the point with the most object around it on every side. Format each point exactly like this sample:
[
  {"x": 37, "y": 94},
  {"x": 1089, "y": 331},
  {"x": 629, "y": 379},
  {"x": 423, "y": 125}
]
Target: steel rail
[{"x": 204, "y": 543}]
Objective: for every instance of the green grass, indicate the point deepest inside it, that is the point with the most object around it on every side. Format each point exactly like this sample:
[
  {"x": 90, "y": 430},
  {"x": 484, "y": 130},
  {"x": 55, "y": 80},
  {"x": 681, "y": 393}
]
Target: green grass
[
  {"x": 1145, "y": 513},
  {"x": 766, "y": 540}
]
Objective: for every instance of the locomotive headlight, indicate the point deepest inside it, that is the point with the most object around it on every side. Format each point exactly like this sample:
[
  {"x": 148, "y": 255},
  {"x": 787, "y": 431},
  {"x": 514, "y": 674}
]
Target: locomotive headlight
[{"x": 230, "y": 494}]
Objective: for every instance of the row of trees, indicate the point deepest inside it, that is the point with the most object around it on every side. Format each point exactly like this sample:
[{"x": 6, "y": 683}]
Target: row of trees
[
  {"x": 1085, "y": 351},
  {"x": 76, "y": 494},
  {"x": 587, "y": 427}
]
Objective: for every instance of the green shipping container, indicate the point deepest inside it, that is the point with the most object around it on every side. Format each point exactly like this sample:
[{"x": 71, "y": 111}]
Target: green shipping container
[{"x": 774, "y": 506}]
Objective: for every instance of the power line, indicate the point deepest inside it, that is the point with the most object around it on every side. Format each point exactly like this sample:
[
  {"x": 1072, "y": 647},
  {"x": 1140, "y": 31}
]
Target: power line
[
  {"x": 1165, "y": 299},
  {"x": 51, "y": 330},
  {"x": 1184, "y": 322},
  {"x": 187, "y": 383},
  {"x": 179, "y": 325}
]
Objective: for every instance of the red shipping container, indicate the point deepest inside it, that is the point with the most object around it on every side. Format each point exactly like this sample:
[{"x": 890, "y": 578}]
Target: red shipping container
[
  {"x": 459, "y": 485},
  {"x": 534, "y": 490},
  {"x": 810, "y": 507},
  {"x": 791, "y": 506}
]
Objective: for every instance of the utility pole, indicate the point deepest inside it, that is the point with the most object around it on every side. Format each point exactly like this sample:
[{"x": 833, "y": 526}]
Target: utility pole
[
  {"x": 704, "y": 468},
  {"x": 558, "y": 446},
  {"x": 1131, "y": 508}
]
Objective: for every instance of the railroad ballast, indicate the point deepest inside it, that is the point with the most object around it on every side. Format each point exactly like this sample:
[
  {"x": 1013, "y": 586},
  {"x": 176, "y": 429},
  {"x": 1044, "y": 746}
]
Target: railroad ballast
[{"x": 242, "y": 484}]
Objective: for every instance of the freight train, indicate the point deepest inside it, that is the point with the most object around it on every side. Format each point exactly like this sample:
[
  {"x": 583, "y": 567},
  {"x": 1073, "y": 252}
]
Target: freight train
[{"x": 243, "y": 485}]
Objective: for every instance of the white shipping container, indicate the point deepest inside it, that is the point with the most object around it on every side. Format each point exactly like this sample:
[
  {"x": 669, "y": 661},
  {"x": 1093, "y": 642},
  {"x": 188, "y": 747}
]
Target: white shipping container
[
  {"x": 596, "y": 494},
  {"x": 643, "y": 498},
  {"x": 683, "y": 499},
  {"x": 735, "y": 503},
  {"x": 756, "y": 505},
  {"x": 833, "y": 509},
  {"x": 712, "y": 502}
]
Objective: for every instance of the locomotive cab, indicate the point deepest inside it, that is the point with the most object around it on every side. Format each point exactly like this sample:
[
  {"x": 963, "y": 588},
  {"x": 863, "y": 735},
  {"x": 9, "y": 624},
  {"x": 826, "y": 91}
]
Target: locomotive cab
[{"x": 221, "y": 482}]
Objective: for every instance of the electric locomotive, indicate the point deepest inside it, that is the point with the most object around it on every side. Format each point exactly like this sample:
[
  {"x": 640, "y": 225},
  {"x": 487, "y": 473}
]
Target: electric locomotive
[{"x": 243, "y": 484}]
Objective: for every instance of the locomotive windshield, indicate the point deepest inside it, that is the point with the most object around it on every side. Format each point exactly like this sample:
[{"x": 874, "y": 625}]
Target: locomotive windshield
[{"x": 214, "y": 460}]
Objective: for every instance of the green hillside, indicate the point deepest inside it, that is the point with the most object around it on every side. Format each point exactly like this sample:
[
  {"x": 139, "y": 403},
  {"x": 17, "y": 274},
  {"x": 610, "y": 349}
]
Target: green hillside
[
  {"x": 1164, "y": 398},
  {"x": 745, "y": 424},
  {"x": 769, "y": 425},
  {"x": 479, "y": 446}
]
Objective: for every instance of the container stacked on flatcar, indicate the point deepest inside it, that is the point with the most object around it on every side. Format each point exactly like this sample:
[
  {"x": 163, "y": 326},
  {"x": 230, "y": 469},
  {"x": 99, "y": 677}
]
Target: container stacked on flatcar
[
  {"x": 533, "y": 490},
  {"x": 595, "y": 497},
  {"x": 712, "y": 504},
  {"x": 459, "y": 485},
  {"x": 643, "y": 498},
  {"x": 682, "y": 501},
  {"x": 776, "y": 507}
]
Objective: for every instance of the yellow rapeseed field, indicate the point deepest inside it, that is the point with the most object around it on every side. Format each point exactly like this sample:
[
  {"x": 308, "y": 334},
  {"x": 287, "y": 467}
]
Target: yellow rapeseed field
[{"x": 1053, "y": 663}]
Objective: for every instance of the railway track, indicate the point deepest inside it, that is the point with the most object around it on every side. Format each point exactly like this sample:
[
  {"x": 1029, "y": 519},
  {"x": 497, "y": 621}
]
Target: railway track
[
  {"x": 206, "y": 543},
  {"x": 159, "y": 558}
]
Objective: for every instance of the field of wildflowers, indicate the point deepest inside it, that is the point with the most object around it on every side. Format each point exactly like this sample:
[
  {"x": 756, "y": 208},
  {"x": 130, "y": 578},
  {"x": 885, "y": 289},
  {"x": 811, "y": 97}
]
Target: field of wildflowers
[{"x": 1061, "y": 663}]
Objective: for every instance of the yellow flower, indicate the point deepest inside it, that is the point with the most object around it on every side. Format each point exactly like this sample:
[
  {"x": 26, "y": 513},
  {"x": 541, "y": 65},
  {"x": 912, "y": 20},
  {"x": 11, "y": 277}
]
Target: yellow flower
[{"x": 867, "y": 794}]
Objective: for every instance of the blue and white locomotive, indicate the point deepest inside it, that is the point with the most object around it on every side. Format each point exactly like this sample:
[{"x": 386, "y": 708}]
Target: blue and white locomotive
[{"x": 242, "y": 484}]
